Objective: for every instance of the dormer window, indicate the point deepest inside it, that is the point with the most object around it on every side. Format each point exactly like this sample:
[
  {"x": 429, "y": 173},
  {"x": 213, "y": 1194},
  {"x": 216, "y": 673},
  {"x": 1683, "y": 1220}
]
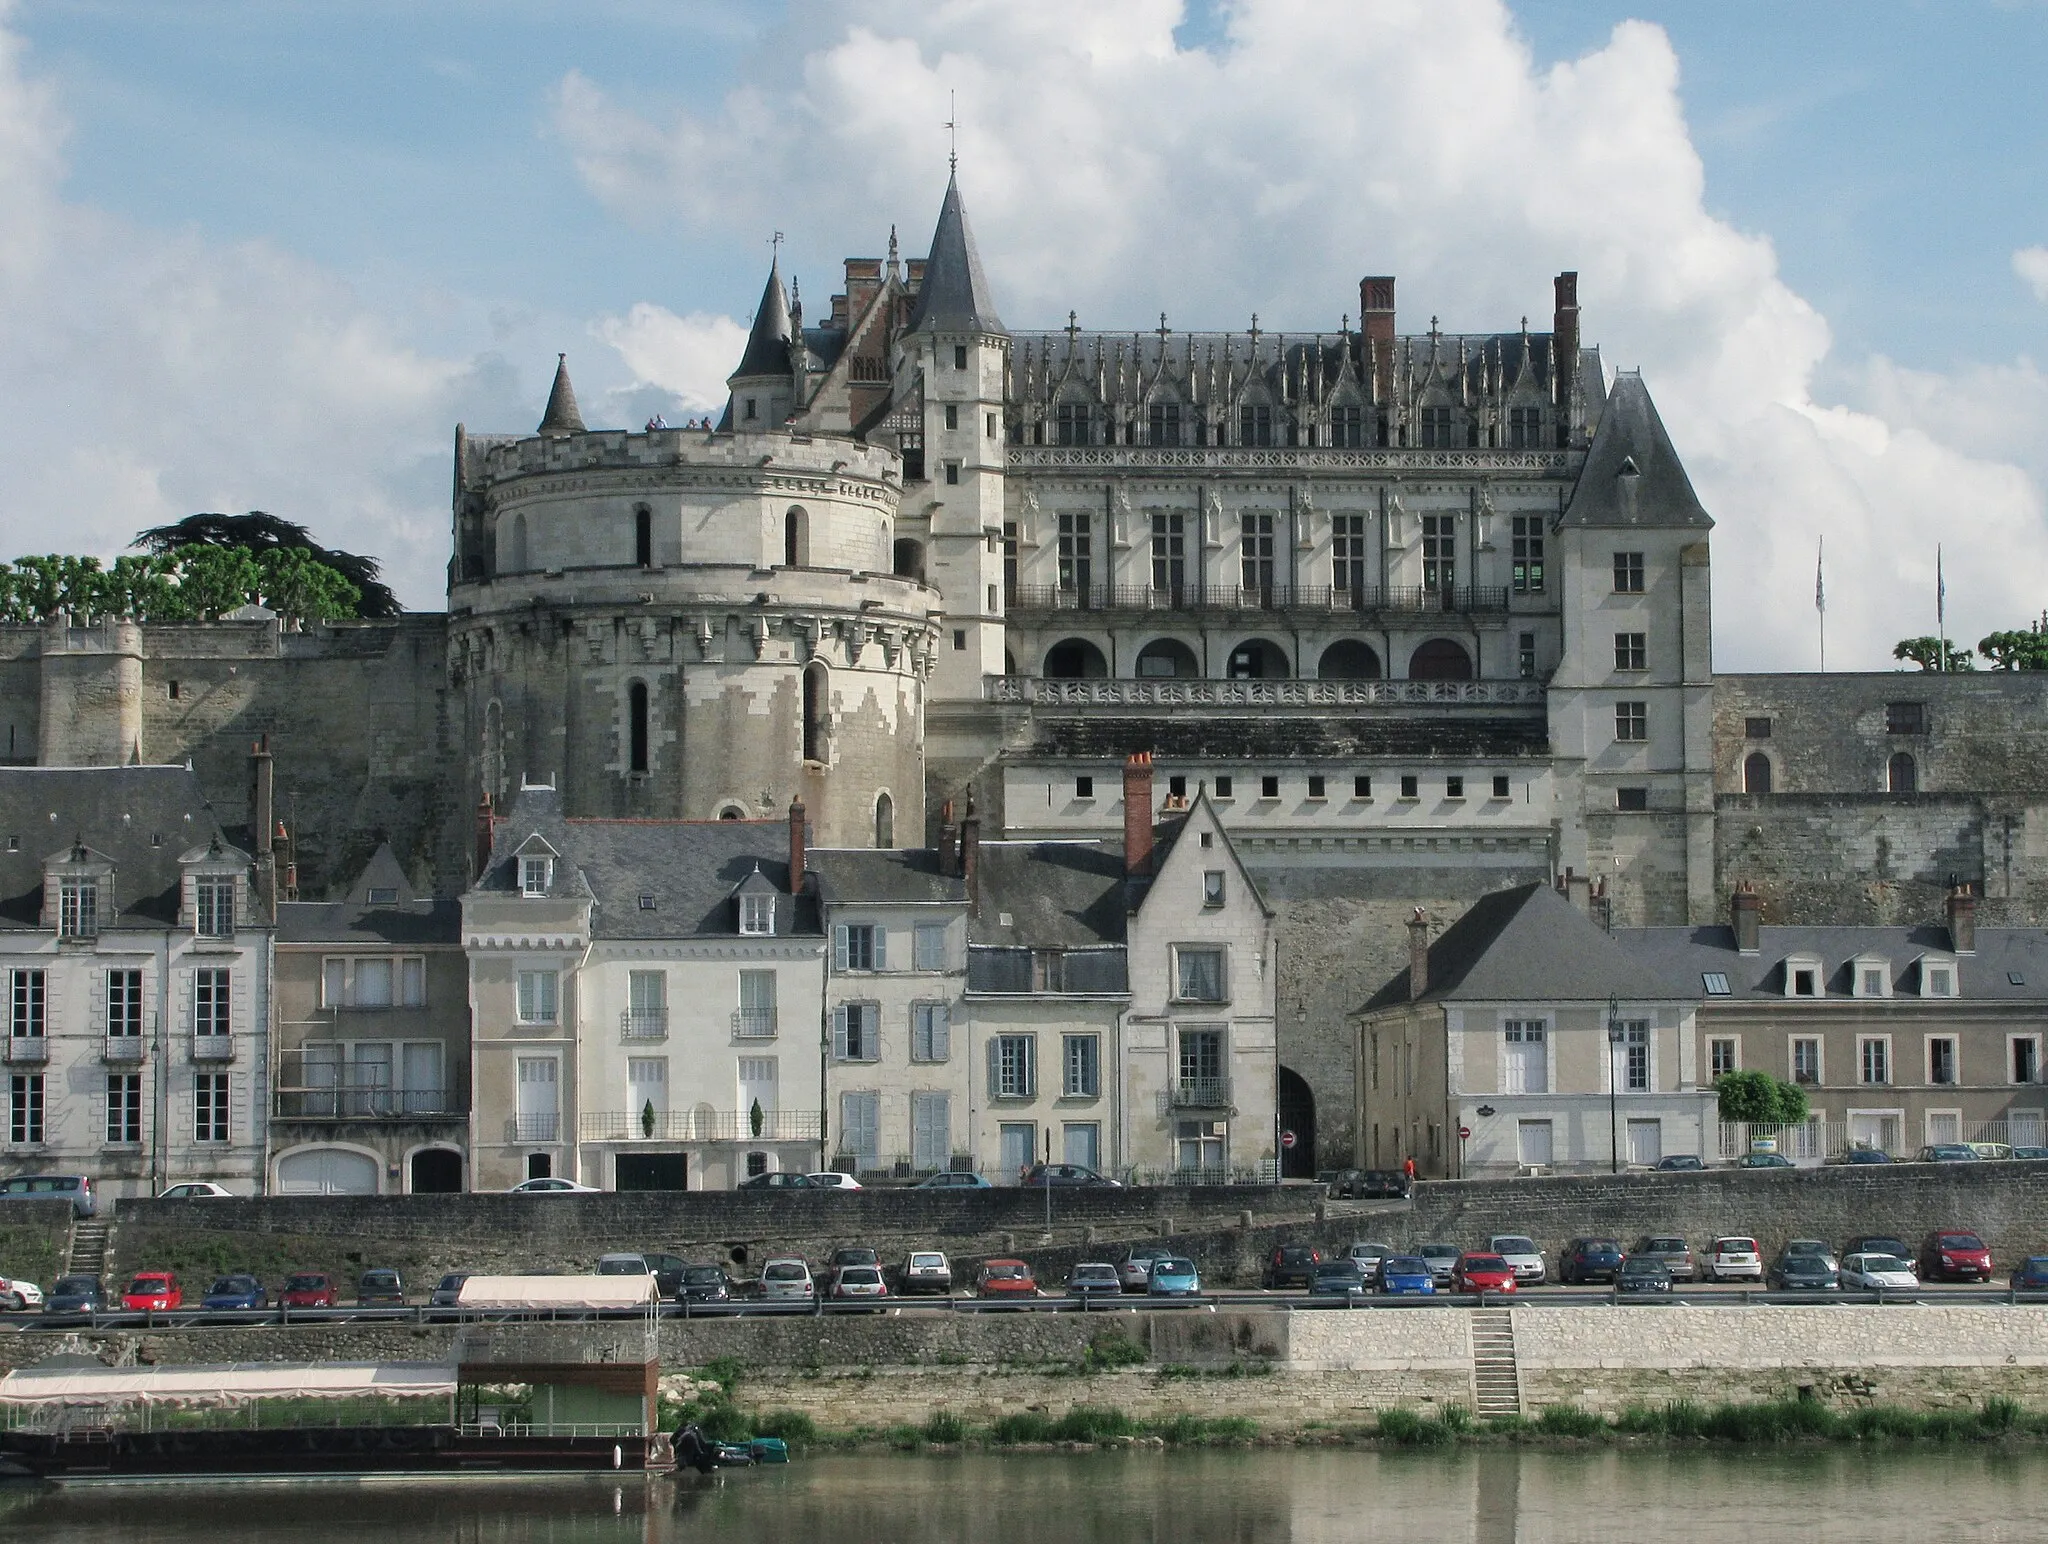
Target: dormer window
[
  {"x": 536, "y": 875},
  {"x": 1803, "y": 977},
  {"x": 1870, "y": 976},
  {"x": 78, "y": 908},
  {"x": 1937, "y": 980},
  {"x": 213, "y": 907},
  {"x": 757, "y": 916}
]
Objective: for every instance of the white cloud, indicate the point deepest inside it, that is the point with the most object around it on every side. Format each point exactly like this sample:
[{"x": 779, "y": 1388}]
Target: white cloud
[
  {"x": 687, "y": 357},
  {"x": 2031, "y": 264},
  {"x": 1108, "y": 170}
]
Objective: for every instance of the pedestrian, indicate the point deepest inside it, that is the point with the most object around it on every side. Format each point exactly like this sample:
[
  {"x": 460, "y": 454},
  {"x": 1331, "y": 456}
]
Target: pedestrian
[{"x": 1408, "y": 1169}]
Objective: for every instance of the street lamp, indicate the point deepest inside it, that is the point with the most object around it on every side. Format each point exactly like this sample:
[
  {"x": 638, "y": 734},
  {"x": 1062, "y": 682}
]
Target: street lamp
[{"x": 1613, "y": 1122}]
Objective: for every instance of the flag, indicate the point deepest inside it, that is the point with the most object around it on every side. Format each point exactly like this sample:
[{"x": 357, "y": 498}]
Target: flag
[{"x": 1820, "y": 589}]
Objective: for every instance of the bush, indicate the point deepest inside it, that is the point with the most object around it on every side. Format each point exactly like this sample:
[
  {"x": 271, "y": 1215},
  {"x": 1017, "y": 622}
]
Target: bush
[
  {"x": 1761, "y": 1099},
  {"x": 725, "y": 1423},
  {"x": 792, "y": 1426},
  {"x": 1110, "y": 1349},
  {"x": 723, "y": 1370},
  {"x": 1407, "y": 1429},
  {"x": 1191, "y": 1431},
  {"x": 1570, "y": 1421},
  {"x": 1092, "y": 1423},
  {"x": 944, "y": 1426},
  {"x": 1023, "y": 1426}
]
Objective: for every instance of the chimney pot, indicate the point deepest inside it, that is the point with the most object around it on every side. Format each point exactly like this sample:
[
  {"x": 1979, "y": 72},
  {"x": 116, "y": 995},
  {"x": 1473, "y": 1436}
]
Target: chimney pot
[
  {"x": 796, "y": 846},
  {"x": 1745, "y": 915},
  {"x": 970, "y": 853},
  {"x": 1418, "y": 954},
  {"x": 949, "y": 851},
  {"x": 485, "y": 821},
  {"x": 1564, "y": 329},
  {"x": 1376, "y": 321},
  {"x": 1138, "y": 814}
]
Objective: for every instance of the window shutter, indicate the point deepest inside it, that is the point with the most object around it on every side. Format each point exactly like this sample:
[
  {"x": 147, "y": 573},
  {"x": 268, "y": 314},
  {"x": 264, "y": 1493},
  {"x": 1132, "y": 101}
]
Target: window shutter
[
  {"x": 1031, "y": 1066},
  {"x": 995, "y": 1074},
  {"x": 334, "y": 984},
  {"x": 881, "y": 937},
  {"x": 942, "y": 1034},
  {"x": 839, "y": 945},
  {"x": 839, "y": 1029}
]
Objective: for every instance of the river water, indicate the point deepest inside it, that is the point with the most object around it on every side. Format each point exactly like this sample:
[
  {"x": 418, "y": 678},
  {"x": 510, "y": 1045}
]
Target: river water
[{"x": 1255, "y": 1496}]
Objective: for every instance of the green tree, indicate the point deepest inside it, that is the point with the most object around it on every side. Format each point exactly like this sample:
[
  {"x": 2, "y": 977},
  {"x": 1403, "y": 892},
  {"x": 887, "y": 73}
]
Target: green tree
[
  {"x": 257, "y": 533},
  {"x": 1760, "y": 1099},
  {"x": 1927, "y": 654},
  {"x": 212, "y": 581},
  {"x": 296, "y": 585},
  {"x": 2026, "y": 650}
]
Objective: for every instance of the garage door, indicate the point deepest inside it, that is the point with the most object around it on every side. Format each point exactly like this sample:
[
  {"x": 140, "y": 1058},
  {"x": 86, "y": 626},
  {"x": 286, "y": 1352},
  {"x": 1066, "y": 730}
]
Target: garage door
[{"x": 327, "y": 1171}]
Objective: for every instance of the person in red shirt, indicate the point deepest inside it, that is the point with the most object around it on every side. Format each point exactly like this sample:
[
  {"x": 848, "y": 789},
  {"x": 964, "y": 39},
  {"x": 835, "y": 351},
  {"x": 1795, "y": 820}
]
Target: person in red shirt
[{"x": 1408, "y": 1168}]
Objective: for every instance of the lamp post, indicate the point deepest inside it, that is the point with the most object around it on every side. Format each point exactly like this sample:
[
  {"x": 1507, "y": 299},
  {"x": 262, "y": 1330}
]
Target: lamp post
[{"x": 1613, "y": 1120}]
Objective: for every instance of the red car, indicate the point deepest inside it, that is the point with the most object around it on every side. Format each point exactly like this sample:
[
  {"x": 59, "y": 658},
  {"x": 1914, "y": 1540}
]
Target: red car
[
  {"x": 1006, "y": 1278},
  {"x": 1950, "y": 1254},
  {"x": 308, "y": 1289},
  {"x": 153, "y": 1289},
  {"x": 1482, "y": 1273}
]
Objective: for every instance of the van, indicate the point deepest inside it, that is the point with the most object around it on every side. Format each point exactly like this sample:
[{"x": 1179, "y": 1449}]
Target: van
[{"x": 75, "y": 1188}]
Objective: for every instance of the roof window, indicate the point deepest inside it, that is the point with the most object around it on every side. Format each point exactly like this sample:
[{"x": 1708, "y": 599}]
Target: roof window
[{"x": 1715, "y": 981}]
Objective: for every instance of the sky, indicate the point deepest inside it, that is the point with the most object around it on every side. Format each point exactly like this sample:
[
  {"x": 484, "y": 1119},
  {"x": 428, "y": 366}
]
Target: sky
[{"x": 268, "y": 253}]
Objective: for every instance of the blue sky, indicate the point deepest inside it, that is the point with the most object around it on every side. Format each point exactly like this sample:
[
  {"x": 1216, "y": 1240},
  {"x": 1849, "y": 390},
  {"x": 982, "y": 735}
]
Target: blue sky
[{"x": 446, "y": 192}]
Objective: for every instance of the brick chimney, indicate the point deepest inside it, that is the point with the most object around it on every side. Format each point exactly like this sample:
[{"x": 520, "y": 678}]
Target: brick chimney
[
  {"x": 1418, "y": 954},
  {"x": 1564, "y": 328},
  {"x": 1962, "y": 920},
  {"x": 1376, "y": 321},
  {"x": 796, "y": 846},
  {"x": 1577, "y": 889},
  {"x": 485, "y": 825},
  {"x": 1745, "y": 912},
  {"x": 949, "y": 849},
  {"x": 263, "y": 825},
  {"x": 1138, "y": 814},
  {"x": 970, "y": 853}
]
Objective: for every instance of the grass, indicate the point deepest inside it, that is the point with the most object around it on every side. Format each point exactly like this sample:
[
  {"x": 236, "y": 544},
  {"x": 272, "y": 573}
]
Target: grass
[{"x": 1111, "y": 1349}]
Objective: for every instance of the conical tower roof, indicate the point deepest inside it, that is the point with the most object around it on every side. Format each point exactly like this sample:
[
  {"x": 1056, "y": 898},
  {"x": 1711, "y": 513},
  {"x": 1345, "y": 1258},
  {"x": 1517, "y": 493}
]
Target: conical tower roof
[
  {"x": 1632, "y": 475},
  {"x": 562, "y": 416},
  {"x": 768, "y": 344},
  {"x": 955, "y": 292}
]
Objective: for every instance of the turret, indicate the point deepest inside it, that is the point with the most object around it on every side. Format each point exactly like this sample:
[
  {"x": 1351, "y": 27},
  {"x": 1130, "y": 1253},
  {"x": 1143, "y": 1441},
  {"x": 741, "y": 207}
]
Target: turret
[
  {"x": 562, "y": 415},
  {"x": 764, "y": 386}
]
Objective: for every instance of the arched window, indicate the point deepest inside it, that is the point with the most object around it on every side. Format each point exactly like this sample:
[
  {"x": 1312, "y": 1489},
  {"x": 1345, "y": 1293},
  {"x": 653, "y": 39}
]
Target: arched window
[
  {"x": 796, "y": 538},
  {"x": 1756, "y": 773},
  {"x": 1901, "y": 776},
  {"x": 643, "y": 536},
  {"x": 1258, "y": 660},
  {"x": 636, "y": 727},
  {"x": 816, "y": 683},
  {"x": 732, "y": 812},
  {"x": 1076, "y": 659},
  {"x": 1167, "y": 658},
  {"x": 515, "y": 549},
  {"x": 1440, "y": 659},
  {"x": 1349, "y": 660},
  {"x": 909, "y": 560},
  {"x": 885, "y": 821}
]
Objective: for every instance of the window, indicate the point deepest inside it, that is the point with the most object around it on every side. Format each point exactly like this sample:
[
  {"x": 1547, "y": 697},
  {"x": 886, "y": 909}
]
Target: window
[
  {"x": 1721, "y": 1058},
  {"x": 643, "y": 537},
  {"x": 1269, "y": 787},
  {"x": 1806, "y": 1061},
  {"x": 211, "y": 1011},
  {"x": 1454, "y": 787},
  {"x": 1756, "y": 773},
  {"x": 25, "y": 1107},
  {"x": 412, "y": 974},
  {"x": 953, "y": 472},
  {"x": 214, "y": 907},
  {"x": 1635, "y": 1046},
  {"x": 1201, "y": 1063},
  {"x": 952, "y": 416},
  {"x": 928, "y": 946},
  {"x": 1169, "y": 554},
  {"x": 124, "y": 1003},
  {"x": 1632, "y": 800},
  {"x": 1255, "y": 424},
  {"x": 1208, "y": 839},
  {"x": 959, "y": 356},
  {"x": 1410, "y": 787},
  {"x": 538, "y": 991},
  {"x": 1347, "y": 426},
  {"x": 1199, "y": 975},
  {"x": 1361, "y": 788},
  {"x": 646, "y": 1005},
  {"x": 1631, "y": 651},
  {"x": 1316, "y": 786},
  {"x": 931, "y": 1032},
  {"x": 1525, "y": 657},
  {"x": 30, "y": 1002},
  {"x": 757, "y": 1005},
  {"x": 1177, "y": 788},
  {"x": 1010, "y": 559},
  {"x": 1527, "y": 572},
  {"x": 1223, "y": 786},
  {"x": 1084, "y": 787},
  {"x": 1501, "y": 788},
  {"x": 1013, "y": 1068},
  {"x": 991, "y": 426},
  {"x": 210, "y": 1107},
  {"x": 1070, "y": 420},
  {"x": 1437, "y": 429},
  {"x": 1255, "y": 554},
  {"x": 1631, "y": 721},
  {"x": 535, "y": 875},
  {"x": 78, "y": 908},
  {"x": 752, "y": 411},
  {"x": 1715, "y": 982},
  {"x": 1080, "y": 1061},
  {"x": 2026, "y": 1058},
  {"x": 1805, "y": 980},
  {"x": 856, "y": 1032},
  {"x": 1076, "y": 558},
  {"x": 1212, "y": 887},
  {"x": 1871, "y": 981},
  {"x": 124, "y": 1108},
  {"x": 1527, "y": 1069},
  {"x": 372, "y": 984},
  {"x": 1525, "y": 430},
  {"x": 1905, "y": 718},
  {"x": 859, "y": 946},
  {"x": 1901, "y": 775},
  {"x": 636, "y": 727},
  {"x": 1348, "y": 555},
  {"x": 1874, "y": 1058},
  {"x": 1756, "y": 728},
  {"x": 1941, "y": 1059},
  {"x": 1199, "y": 1146},
  {"x": 1439, "y": 553},
  {"x": 1628, "y": 573},
  {"x": 757, "y": 915},
  {"x": 1162, "y": 423}
]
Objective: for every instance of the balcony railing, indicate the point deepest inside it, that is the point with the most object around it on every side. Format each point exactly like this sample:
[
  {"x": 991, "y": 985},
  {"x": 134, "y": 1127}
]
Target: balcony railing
[
  {"x": 753, "y": 1026},
  {"x": 1201, "y": 1094},
  {"x": 28, "y": 1049},
  {"x": 368, "y": 1103},
  {"x": 537, "y": 1128},
  {"x": 213, "y": 1048},
  {"x": 1267, "y": 458},
  {"x": 124, "y": 1048},
  {"x": 643, "y": 1026},
  {"x": 1361, "y": 600},
  {"x": 1196, "y": 691},
  {"x": 697, "y": 1126}
]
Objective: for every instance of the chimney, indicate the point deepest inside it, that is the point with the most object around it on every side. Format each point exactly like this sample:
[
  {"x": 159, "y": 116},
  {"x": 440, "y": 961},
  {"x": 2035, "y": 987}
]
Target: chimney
[
  {"x": 1579, "y": 892},
  {"x": 1564, "y": 331},
  {"x": 970, "y": 852},
  {"x": 1962, "y": 920},
  {"x": 1745, "y": 912},
  {"x": 796, "y": 846},
  {"x": 1418, "y": 954},
  {"x": 1598, "y": 908},
  {"x": 949, "y": 851},
  {"x": 1138, "y": 814},
  {"x": 485, "y": 822},
  {"x": 262, "y": 822},
  {"x": 1376, "y": 321}
]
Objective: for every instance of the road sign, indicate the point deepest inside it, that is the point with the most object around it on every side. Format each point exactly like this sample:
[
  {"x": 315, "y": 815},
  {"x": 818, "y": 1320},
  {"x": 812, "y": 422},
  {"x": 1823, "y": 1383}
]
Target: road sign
[
  {"x": 1287, "y": 1139},
  {"x": 1464, "y": 1133}
]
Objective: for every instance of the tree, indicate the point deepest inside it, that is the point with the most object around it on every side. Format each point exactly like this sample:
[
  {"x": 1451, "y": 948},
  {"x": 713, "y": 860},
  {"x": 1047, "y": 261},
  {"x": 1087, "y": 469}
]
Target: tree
[
  {"x": 1760, "y": 1099},
  {"x": 2026, "y": 650},
  {"x": 257, "y": 533},
  {"x": 1927, "y": 654},
  {"x": 295, "y": 584}
]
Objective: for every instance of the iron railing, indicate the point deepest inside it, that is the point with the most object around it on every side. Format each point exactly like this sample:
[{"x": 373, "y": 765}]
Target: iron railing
[
  {"x": 1201, "y": 1094},
  {"x": 30, "y": 1049},
  {"x": 1195, "y": 691},
  {"x": 697, "y": 1126},
  {"x": 123, "y": 1048},
  {"x": 1240, "y": 598},
  {"x": 752, "y": 1026},
  {"x": 537, "y": 1128},
  {"x": 370, "y": 1102},
  {"x": 643, "y": 1026},
  {"x": 213, "y": 1048}
]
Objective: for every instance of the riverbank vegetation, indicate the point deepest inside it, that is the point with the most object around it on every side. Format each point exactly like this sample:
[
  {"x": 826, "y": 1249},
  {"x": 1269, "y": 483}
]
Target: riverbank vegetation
[{"x": 1776, "y": 1421}]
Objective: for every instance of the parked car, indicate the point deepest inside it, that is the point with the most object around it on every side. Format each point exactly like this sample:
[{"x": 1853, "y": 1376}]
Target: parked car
[
  {"x": 704, "y": 1284},
  {"x": 1950, "y": 1254},
  {"x": 1442, "y": 1260},
  {"x": 1813, "y": 1246},
  {"x": 1175, "y": 1276},
  {"x": 1339, "y": 1278},
  {"x": 235, "y": 1292},
  {"x": 1383, "y": 1185},
  {"x": 1477, "y": 1272},
  {"x": 551, "y": 1187},
  {"x": 1134, "y": 1266},
  {"x": 1680, "y": 1163},
  {"x": 1407, "y": 1276},
  {"x": 1368, "y": 1257},
  {"x": 308, "y": 1289},
  {"x": 775, "y": 1179},
  {"x": 926, "y": 1270},
  {"x": 832, "y": 1179},
  {"x": 1874, "y": 1272},
  {"x": 1947, "y": 1152},
  {"x": 1877, "y": 1243},
  {"x": 376, "y": 1287},
  {"x": 856, "y": 1282},
  {"x": 1290, "y": 1265},
  {"x": 1674, "y": 1251},
  {"x": 75, "y": 1188},
  {"x": 2030, "y": 1275},
  {"x": 2030, "y": 1152},
  {"x": 447, "y": 1291},
  {"x": 1523, "y": 1257},
  {"x": 1997, "y": 1152},
  {"x": 1801, "y": 1273},
  {"x": 18, "y": 1293},
  {"x": 1642, "y": 1274},
  {"x": 787, "y": 1281},
  {"x": 1589, "y": 1259},
  {"x": 153, "y": 1290},
  {"x": 1734, "y": 1259},
  {"x": 623, "y": 1265},
  {"x": 668, "y": 1271},
  {"x": 1005, "y": 1279},
  {"x": 1868, "y": 1155},
  {"x": 197, "y": 1190},
  {"x": 1094, "y": 1278},
  {"x": 1067, "y": 1176},
  {"x": 1763, "y": 1161},
  {"x": 76, "y": 1294},
  {"x": 1339, "y": 1184},
  {"x": 954, "y": 1179}
]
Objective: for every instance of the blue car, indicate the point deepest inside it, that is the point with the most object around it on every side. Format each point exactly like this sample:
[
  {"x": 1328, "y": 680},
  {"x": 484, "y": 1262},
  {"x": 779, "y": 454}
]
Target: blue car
[
  {"x": 1405, "y": 1275},
  {"x": 235, "y": 1292},
  {"x": 954, "y": 1179},
  {"x": 1174, "y": 1276},
  {"x": 2031, "y": 1274}
]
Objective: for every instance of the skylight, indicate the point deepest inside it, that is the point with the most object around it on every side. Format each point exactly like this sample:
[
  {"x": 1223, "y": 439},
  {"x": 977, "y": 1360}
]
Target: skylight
[{"x": 1716, "y": 983}]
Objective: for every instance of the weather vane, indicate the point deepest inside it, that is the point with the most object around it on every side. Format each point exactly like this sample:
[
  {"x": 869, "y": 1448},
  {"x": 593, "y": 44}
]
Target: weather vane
[{"x": 952, "y": 133}]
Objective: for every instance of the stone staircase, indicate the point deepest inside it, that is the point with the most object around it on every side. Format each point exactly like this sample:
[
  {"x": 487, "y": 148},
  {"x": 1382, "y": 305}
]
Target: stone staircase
[
  {"x": 1496, "y": 1381},
  {"x": 88, "y": 1247}
]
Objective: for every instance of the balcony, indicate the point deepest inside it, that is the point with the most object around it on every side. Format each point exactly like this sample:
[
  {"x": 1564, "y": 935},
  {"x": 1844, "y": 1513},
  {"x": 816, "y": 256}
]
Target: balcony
[
  {"x": 697, "y": 1126},
  {"x": 368, "y": 1102},
  {"x": 537, "y": 1128},
  {"x": 643, "y": 1026},
  {"x": 1199, "y": 691},
  {"x": 1201, "y": 1094},
  {"x": 126, "y": 1049},
  {"x": 1268, "y": 459},
  {"x": 28, "y": 1050},
  {"x": 1365, "y": 600},
  {"x": 213, "y": 1048},
  {"x": 752, "y": 1026}
]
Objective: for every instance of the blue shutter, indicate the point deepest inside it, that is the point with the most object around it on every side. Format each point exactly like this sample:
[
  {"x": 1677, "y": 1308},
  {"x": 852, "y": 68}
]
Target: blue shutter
[
  {"x": 839, "y": 1030},
  {"x": 942, "y": 1033},
  {"x": 839, "y": 945},
  {"x": 995, "y": 1075},
  {"x": 881, "y": 937}
]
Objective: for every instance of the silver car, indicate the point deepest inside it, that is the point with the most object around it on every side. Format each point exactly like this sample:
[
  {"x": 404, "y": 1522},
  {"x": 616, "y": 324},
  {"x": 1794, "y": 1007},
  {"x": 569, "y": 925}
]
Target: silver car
[
  {"x": 787, "y": 1280},
  {"x": 926, "y": 1270},
  {"x": 1441, "y": 1259},
  {"x": 1134, "y": 1269},
  {"x": 1522, "y": 1256},
  {"x": 1369, "y": 1256}
]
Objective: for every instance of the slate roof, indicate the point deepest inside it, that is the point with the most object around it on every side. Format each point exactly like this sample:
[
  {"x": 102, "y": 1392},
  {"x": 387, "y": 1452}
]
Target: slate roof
[
  {"x": 1057, "y": 895},
  {"x": 140, "y": 818},
  {"x": 562, "y": 415},
  {"x": 1250, "y": 737},
  {"x": 767, "y": 351},
  {"x": 1632, "y": 476},
  {"x": 1690, "y": 952},
  {"x": 882, "y": 876},
  {"x": 407, "y": 919},
  {"x": 954, "y": 293},
  {"x": 1530, "y": 944}
]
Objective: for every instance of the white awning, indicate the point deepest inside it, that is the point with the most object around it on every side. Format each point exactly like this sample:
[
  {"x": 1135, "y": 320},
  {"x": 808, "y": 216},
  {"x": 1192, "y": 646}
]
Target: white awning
[
  {"x": 567, "y": 1292},
  {"x": 226, "y": 1383}
]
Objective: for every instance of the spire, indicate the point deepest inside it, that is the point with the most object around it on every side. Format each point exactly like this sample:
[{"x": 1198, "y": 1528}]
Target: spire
[
  {"x": 955, "y": 292},
  {"x": 562, "y": 416},
  {"x": 768, "y": 344}
]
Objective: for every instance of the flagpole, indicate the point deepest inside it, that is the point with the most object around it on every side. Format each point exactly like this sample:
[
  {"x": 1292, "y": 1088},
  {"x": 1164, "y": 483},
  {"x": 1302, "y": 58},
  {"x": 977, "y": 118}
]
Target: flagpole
[
  {"x": 1941, "y": 608},
  {"x": 1820, "y": 598}
]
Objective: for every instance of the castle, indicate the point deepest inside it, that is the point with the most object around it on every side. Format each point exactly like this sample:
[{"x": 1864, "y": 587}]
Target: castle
[{"x": 1425, "y": 614}]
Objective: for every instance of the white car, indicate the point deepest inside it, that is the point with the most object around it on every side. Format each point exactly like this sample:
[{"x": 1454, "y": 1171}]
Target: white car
[
  {"x": 1370, "y": 1257},
  {"x": 197, "y": 1190},
  {"x": 787, "y": 1280},
  {"x": 1733, "y": 1259},
  {"x": 536, "y": 1187},
  {"x": 832, "y": 1179},
  {"x": 1875, "y": 1271},
  {"x": 1523, "y": 1258},
  {"x": 20, "y": 1294}
]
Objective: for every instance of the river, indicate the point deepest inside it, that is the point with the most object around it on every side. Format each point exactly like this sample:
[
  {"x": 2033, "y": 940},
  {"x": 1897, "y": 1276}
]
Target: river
[{"x": 1255, "y": 1496}]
